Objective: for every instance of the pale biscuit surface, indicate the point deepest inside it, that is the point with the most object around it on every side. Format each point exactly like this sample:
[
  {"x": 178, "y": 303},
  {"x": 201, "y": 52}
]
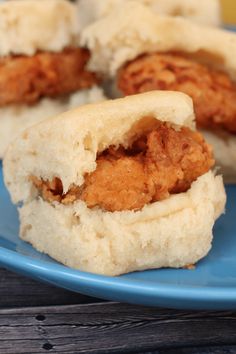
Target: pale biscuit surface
[
  {"x": 207, "y": 12},
  {"x": 27, "y": 26},
  {"x": 224, "y": 147},
  {"x": 16, "y": 118}
]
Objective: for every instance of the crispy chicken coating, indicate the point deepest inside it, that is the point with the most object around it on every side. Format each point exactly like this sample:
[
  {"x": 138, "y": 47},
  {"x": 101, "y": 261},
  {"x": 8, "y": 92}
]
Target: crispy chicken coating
[
  {"x": 26, "y": 79},
  {"x": 164, "y": 162},
  {"x": 213, "y": 92}
]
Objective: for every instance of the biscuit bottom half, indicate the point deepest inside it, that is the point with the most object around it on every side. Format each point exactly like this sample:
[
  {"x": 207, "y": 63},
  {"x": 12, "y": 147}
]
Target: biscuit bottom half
[{"x": 174, "y": 232}]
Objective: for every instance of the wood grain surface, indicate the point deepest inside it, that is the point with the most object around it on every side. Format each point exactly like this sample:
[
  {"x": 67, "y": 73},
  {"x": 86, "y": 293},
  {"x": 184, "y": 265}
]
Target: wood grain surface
[
  {"x": 112, "y": 328},
  {"x": 38, "y": 318},
  {"x": 19, "y": 291}
]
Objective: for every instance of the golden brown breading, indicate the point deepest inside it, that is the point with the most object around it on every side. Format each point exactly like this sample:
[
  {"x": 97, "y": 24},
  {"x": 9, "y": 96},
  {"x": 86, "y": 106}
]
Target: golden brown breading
[
  {"x": 26, "y": 79},
  {"x": 213, "y": 92},
  {"x": 163, "y": 162},
  {"x": 117, "y": 184},
  {"x": 52, "y": 191}
]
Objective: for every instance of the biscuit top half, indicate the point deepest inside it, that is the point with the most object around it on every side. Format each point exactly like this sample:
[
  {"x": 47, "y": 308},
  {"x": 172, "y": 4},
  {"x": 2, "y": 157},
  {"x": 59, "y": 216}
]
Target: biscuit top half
[
  {"x": 66, "y": 146},
  {"x": 135, "y": 30},
  {"x": 28, "y": 26}
]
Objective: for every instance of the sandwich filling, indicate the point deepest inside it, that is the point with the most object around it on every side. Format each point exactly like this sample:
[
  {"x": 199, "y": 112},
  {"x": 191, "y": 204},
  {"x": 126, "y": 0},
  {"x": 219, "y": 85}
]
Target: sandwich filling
[
  {"x": 212, "y": 91},
  {"x": 26, "y": 79},
  {"x": 165, "y": 160}
]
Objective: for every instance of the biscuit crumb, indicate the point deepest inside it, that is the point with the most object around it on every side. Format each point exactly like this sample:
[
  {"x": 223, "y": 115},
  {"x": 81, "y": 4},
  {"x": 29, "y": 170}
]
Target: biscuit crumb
[{"x": 190, "y": 266}]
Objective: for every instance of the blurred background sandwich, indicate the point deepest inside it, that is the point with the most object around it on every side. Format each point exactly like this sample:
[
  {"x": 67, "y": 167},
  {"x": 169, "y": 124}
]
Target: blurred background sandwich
[{"x": 42, "y": 66}]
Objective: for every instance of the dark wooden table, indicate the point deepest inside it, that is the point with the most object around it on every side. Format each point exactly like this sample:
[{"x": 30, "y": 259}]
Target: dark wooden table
[{"x": 37, "y": 318}]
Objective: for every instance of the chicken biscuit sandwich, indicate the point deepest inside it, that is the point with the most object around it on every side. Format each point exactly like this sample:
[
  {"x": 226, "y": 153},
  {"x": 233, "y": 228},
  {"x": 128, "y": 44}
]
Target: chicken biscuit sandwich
[
  {"x": 118, "y": 186},
  {"x": 42, "y": 68},
  {"x": 146, "y": 52}
]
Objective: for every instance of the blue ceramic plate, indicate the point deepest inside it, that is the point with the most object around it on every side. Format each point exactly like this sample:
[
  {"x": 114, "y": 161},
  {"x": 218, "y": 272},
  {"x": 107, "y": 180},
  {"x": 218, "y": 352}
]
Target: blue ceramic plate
[{"x": 212, "y": 285}]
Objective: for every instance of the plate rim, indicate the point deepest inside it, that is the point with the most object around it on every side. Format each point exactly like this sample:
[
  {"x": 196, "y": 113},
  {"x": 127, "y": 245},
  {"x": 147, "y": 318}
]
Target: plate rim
[{"x": 46, "y": 270}]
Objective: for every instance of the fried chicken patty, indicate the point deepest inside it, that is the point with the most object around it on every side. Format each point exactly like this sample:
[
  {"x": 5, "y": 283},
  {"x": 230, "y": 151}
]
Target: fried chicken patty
[
  {"x": 213, "y": 92},
  {"x": 163, "y": 162},
  {"x": 25, "y": 79}
]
